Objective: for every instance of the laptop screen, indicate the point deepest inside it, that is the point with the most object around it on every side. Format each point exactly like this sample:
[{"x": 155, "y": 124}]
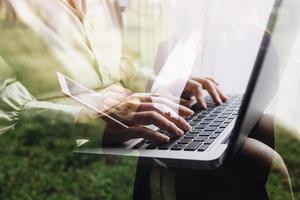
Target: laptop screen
[{"x": 262, "y": 86}]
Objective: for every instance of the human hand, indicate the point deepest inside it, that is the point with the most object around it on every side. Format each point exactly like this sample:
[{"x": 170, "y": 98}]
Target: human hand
[
  {"x": 137, "y": 111},
  {"x": 195, "y": 88}
]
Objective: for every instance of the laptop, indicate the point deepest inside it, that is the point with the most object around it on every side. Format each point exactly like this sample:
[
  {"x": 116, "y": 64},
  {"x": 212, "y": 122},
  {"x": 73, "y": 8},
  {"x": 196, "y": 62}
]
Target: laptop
[{"x": 217, "y": 133}]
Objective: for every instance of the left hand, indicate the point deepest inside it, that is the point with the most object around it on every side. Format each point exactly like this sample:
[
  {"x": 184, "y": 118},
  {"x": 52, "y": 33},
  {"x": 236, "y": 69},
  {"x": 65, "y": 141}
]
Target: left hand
[{"x": 195, "y": 88}]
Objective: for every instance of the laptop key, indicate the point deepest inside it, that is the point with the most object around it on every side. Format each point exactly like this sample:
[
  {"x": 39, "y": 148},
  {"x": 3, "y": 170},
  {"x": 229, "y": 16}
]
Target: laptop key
[
  {"x": 224, "y": 116},
  {"x": 206, "y": 133},
  {"x": 220, "y": 120},
  {"x": 167, "y": 145},
  {"x": 184, "y": 141},
  {"x": 200, "y": 138},
  {"x": 214, "y": 135},
  {"x": 200, "y": 116},
  {"x": 190, "y": 136},
  {"x": 226, "y": 113},
  {"x": 209, "y": 141},
  {"x": 167, "y": 133},
  {"x": 192, "y": 146},
  {"x": 178, "y": 147},
  {"x": 194, "y": 131},
  {"x": 230, "y": 110},
  {"x": 209, "y": 119},
  {"x": 203, "y": 147},
  {"x": 217, "y": 112},
  {"x": 138, "y": 145},
  {"x": 152, "y": 146},
  {"x": 219, "y": 130},
  {"x": 228, "y": 120},
  {"x": 224, "y": 125},
  {"x": 231, "y": 107},
  {"x": 199, "y": 126},
  {"x": 203, "y": 123},
  {"x": 210, "y": 128},
  {"x": 196, "y": 119},
  {"x": 215, "y": 124},
  {"x": 205, "y": 112},
  {"x": 193, "y": 123},
  {"x": 231, "y": 117}
]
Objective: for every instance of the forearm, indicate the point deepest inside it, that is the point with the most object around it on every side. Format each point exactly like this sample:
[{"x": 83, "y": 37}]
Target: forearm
[
  {"x": 37, "y": 120},
  {"x": 135, "y": 77}
]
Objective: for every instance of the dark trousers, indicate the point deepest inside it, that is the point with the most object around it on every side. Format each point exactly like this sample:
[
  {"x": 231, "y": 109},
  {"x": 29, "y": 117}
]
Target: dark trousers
[{"x": 235, "y": 181}]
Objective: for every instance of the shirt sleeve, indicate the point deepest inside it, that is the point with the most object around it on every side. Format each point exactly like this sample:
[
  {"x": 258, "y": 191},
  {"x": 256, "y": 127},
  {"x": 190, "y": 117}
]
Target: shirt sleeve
[
  {"x": 134, "y": 76},
  {"x": 22, "y": 113}
]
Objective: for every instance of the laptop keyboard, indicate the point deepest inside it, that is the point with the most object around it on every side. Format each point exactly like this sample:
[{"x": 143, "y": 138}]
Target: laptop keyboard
[{"x": 207, "y": 127}]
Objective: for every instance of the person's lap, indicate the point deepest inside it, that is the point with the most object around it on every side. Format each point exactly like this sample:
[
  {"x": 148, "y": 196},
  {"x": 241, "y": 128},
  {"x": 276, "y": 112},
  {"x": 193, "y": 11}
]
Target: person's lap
[{"x": 243, "y": 178}]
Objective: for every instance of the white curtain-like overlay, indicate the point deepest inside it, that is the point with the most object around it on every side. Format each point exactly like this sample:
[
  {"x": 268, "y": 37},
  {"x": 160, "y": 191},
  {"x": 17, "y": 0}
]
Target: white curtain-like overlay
[{"x": 213, "y": 38}]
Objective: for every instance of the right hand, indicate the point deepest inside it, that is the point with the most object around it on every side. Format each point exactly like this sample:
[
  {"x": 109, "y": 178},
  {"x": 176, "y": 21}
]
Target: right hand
[{"x": 137, "y": 111}]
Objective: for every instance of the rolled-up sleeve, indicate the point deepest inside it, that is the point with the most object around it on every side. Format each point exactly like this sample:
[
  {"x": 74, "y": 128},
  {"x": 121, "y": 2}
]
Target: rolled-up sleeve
[
  {"x": 20, "y": 111},
  {"x": 134, "y": 76},
  {"x": 13, "y": 97}
]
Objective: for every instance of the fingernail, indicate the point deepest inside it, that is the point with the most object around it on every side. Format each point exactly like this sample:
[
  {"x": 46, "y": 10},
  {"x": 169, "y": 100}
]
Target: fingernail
[
  {"x": 191, "y": 111},
  {"x": 180, "y": 132},
  {"x": 166, "y": 138},
  {"x": 188, "y": 127}
]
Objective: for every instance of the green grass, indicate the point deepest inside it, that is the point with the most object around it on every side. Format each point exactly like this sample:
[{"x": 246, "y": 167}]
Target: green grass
[
  {"x": 36, "y": 166},
  {"x": 35, "y": 172},
  {"x": 37, "y": 162},
  {"x": 289, "y": 149}
]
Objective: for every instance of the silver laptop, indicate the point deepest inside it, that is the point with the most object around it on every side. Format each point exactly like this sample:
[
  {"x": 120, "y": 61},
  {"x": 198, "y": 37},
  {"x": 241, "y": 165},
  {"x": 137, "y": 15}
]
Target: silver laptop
[{"x": 218, "y": 132}]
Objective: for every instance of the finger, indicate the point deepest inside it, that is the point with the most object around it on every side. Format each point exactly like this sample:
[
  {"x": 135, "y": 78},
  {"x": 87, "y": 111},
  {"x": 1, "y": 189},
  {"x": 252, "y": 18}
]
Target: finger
[
  {"x": 167, "y": 113},
  {"x": 213, "y": 80},
  {"x": 202, "y": 80},
  {"x": 182, "y": 110},
  {"x": 211, "y": 89},
  {"x": 180, "y": 122},
  {"x": 222, "y": 95},
  {"x": 186, "y": 103},
  {"x": 151, "y": 117},
  {"x": 199, "y": 95},
  {"x": 176, "y": 105},
  {"x": 108, "y": 103},
  {"x": 124, "y": 110},
  {"x": 181, "y": 101},
  {"x": 142, "y": 132},
  {"x": 215, "y": 84}
]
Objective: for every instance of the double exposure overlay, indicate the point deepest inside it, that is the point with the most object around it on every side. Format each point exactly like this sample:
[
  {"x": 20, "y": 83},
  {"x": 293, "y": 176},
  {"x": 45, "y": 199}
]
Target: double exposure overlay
[{"x": 84, "y": 84}]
